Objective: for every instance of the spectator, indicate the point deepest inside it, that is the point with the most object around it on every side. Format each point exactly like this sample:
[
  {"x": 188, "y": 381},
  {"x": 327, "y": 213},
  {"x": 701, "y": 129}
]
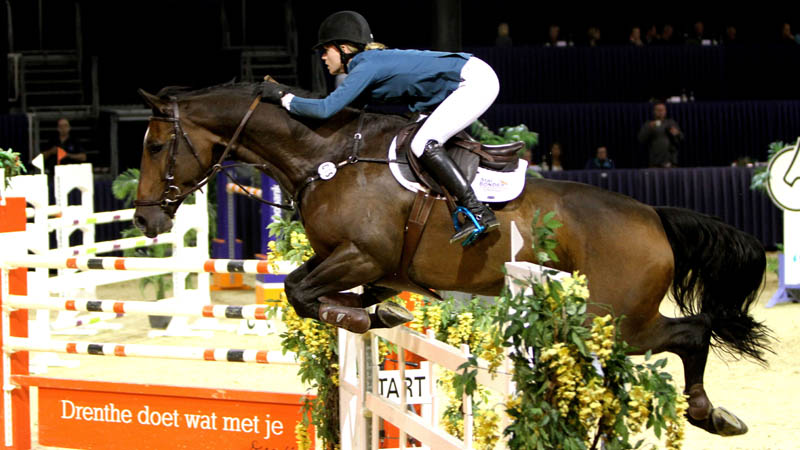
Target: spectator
[
  {"x": 601, "y": 161},
  {"x": 593, "y": 36},
  {"x": 668, "y": 35},
  {"x": 63, "y": 148},
  {"x": 652, "y": 36},
  {"x": 503, "y": 36},
  {"x": 636, "y": 37},
  {"x": 552, "y": 161},
  {"x": 786, "y": 34},
  {"x": 698, "y": 36},
  {"x": 662, "y": 136},
  {"x": 533, "y": 168},
  {"x": 730, "y": 35},
  {"x": 554, "y": 38}
]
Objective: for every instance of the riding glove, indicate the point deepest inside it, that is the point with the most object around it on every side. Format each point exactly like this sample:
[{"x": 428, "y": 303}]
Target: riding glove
[{"x": 272, "y": 92}]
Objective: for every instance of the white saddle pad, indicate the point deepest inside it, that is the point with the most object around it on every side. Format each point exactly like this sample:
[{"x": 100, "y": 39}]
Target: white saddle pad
[{"x": 489, "y": 185}]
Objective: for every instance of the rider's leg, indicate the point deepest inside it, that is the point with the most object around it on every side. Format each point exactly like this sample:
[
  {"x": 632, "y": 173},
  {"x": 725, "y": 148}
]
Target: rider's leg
[{"x": 475, "y": 94}]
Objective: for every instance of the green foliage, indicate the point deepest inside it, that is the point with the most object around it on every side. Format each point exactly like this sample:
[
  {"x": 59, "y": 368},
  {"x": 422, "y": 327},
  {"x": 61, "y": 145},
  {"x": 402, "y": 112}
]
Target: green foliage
[
  {"x": 761, "y": 173},
  {"x": 505, "y": 135},
  {"x": 124, "y": 187},
  {"x": 543, "y": 236},
  {"x": 10, "y": 161},
  {"x": 290, "y": 240}
]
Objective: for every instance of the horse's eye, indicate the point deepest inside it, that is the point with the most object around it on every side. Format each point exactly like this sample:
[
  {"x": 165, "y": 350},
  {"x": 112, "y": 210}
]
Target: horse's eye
[{"x": 155, "y": 148}]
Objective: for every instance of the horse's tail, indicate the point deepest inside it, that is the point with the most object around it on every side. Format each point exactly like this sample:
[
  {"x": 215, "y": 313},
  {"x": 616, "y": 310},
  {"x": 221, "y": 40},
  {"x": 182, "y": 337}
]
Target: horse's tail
[{"x": 719, "y": 272}]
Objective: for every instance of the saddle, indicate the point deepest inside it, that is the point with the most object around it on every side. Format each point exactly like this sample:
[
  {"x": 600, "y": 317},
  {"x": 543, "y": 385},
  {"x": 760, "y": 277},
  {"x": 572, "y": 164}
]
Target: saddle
[{"x": 466, "y": 152}]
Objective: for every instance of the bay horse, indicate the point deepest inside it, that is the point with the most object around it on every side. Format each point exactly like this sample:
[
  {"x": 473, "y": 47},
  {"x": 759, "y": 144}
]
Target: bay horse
[{"x": 631, "y": 253}]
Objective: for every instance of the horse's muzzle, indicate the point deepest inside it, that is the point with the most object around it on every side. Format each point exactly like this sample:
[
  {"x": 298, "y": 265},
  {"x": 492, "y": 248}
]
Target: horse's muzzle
[{"x": 152, "y": 221}]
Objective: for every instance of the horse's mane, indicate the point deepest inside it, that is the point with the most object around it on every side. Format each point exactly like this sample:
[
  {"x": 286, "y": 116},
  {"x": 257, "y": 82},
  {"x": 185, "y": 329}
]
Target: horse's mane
[
  {"x": 247, "y": 90},
  {"x": 230, "y": 88}
]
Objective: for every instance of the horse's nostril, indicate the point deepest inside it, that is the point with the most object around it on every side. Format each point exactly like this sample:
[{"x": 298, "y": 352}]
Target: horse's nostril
[{"x": 139, "y": 222}]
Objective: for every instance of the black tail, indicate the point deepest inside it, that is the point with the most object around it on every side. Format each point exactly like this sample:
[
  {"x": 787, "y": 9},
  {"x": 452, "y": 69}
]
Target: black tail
[{"x": 719, "y": 272}]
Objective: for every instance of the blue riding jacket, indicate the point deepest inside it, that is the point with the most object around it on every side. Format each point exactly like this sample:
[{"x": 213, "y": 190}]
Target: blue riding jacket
[{"x": 421, "y": 79}]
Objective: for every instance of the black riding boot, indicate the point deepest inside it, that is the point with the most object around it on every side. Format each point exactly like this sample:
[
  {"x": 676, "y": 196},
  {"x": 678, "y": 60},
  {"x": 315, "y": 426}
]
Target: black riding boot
[{"x": 442, "y": 167}]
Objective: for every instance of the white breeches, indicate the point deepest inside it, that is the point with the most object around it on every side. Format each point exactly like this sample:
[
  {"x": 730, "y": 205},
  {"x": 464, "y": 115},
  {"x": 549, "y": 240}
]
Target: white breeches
[{"x": 474, "y": 95}]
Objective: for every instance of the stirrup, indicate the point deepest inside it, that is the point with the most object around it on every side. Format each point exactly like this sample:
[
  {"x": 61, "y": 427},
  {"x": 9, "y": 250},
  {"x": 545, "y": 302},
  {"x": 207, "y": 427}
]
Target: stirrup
[{"x": 473, "y": 236}]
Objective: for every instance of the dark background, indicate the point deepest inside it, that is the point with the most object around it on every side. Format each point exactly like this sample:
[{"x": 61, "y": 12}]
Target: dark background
[
  {"x": 154, "y": 43},
  {"x": 582, "y": 97}
]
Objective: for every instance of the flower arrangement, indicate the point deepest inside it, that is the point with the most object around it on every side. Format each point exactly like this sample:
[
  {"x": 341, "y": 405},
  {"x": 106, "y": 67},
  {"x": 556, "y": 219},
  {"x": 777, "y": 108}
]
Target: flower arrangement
[{"x": 576, "y": 385}]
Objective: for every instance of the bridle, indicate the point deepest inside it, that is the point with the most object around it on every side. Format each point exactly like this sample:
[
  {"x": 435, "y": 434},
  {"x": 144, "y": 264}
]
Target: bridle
[{"x": 167, "y": 197}]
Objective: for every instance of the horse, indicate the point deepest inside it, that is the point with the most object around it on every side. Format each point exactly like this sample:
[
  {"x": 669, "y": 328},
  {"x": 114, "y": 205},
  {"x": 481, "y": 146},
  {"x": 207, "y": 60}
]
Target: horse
[{"x": 632, "y": 254}]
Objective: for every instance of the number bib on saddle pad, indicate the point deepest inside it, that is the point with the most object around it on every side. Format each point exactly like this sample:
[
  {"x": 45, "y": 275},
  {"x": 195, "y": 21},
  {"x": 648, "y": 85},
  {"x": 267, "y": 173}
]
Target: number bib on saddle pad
[{"x": 490, "y": 186}]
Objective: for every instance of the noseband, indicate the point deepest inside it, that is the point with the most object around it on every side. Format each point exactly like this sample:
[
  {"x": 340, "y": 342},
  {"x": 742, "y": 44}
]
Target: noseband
[{"x": 167, "y": 198}]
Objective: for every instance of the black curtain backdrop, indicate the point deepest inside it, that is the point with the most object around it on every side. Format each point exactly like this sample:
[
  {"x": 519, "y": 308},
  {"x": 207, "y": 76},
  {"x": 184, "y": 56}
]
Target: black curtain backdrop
[{"x": 716, "y": 133}]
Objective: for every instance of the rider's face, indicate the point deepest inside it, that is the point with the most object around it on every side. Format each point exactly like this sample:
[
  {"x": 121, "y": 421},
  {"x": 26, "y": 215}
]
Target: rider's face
[{"x": 333, "y": 59}]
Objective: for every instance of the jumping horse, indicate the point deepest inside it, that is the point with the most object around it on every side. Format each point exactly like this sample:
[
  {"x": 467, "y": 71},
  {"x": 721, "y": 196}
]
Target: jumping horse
[{"x": 631, "y": 253}]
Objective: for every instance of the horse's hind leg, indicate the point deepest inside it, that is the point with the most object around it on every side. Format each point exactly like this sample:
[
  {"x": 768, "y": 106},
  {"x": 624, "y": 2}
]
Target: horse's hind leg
[
  {"x": 314, "y": 291},
  {"x": 690, "y": 338}
]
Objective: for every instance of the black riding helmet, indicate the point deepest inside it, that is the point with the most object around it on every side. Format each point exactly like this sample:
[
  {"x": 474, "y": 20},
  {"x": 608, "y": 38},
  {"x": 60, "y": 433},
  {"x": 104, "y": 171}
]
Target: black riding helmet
[{"x": 344, "y": 26}]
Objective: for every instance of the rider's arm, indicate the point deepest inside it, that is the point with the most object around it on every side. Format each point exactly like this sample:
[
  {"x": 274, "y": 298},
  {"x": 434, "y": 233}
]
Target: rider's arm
[{"x": 354, "y": 84}]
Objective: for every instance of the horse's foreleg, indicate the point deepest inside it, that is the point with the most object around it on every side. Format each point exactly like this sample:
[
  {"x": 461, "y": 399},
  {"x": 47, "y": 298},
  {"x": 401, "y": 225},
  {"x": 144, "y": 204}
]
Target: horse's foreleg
[
  {"x": 314, "y": 291},
  {"x": 690, "y": 338}
]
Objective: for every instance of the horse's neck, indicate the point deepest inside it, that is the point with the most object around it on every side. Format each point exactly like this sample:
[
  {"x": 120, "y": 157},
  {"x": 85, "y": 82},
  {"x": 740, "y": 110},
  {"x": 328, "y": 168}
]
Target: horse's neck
[{"x": 296, "y": 150}]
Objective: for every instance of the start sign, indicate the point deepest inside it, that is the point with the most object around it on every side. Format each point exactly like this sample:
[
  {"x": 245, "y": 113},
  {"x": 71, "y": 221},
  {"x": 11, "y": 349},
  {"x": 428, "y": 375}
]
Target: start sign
[{"x": 417, "y": 385}]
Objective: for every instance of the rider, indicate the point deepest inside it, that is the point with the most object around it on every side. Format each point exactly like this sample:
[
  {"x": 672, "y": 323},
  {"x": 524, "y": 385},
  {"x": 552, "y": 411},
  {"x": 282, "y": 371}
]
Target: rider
[{"x": 455, "y": 88}]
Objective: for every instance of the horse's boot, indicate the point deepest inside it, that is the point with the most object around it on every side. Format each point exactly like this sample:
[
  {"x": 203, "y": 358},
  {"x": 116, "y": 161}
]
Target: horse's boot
[{"x": 441, "y": 166}]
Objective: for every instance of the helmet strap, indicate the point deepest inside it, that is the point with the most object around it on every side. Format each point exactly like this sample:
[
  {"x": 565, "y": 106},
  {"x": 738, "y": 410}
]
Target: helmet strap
[{"x": 345, "y": 57}]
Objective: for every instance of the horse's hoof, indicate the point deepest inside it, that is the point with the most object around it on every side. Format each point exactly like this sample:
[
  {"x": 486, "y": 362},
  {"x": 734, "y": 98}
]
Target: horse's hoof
[
  {"x": 354, "y": 320},
  {"x": 392, "y": 314},
  {"x": 727, "y": 424}
]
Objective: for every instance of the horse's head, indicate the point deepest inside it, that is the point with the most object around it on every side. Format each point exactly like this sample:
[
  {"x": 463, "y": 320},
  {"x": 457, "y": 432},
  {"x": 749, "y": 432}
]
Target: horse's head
[{"x": 173, "y": 165}]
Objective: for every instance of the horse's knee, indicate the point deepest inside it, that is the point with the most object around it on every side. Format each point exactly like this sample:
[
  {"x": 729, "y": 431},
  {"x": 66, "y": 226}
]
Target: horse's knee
[{"x": 305, "y": 308}]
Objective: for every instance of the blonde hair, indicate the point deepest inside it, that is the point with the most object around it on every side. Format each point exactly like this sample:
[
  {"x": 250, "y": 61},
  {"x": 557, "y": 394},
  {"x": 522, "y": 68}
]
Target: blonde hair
[
  {"x": 369, "y": 46},
  {"x": 374, "y": 46}
]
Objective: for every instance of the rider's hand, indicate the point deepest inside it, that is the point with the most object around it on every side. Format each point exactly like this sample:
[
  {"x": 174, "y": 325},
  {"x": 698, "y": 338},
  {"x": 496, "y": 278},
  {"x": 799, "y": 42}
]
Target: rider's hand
[{"x": 271, "y": 92}]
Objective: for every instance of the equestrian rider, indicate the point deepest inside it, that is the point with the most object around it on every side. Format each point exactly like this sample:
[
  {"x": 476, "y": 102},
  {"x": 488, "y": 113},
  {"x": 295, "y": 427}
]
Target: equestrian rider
[{"x": 456, "y": 88}]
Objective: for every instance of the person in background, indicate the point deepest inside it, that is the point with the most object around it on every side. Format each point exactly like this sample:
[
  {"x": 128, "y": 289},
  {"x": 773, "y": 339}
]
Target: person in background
[
  {"x": 786, "y": 35},
  {"x": 635, "y": 37},
  {"x": 668, "y": 35},
  {"x": 554, "y": 38},
  {"x": 652, "y": 37},
  {"x": 503, "y": 36},
  {"x": 552, "y": 161},
  {"x": 601, "y": 160},
  {"x": 63, "y": 148},
  {"x": 730, "y": 35},
  {"x": 698, "y": 36},
  {"x": 662, "y": 136},
  {"x": 593, "y": 36}
]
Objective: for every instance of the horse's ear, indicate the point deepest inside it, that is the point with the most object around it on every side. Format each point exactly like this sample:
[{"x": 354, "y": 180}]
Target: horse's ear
[{"x": 154, "y": 102}]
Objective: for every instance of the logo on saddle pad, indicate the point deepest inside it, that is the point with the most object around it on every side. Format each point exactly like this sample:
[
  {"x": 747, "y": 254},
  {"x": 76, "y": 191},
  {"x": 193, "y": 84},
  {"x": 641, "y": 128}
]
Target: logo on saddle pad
[{"x": 490, "y": 186}]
